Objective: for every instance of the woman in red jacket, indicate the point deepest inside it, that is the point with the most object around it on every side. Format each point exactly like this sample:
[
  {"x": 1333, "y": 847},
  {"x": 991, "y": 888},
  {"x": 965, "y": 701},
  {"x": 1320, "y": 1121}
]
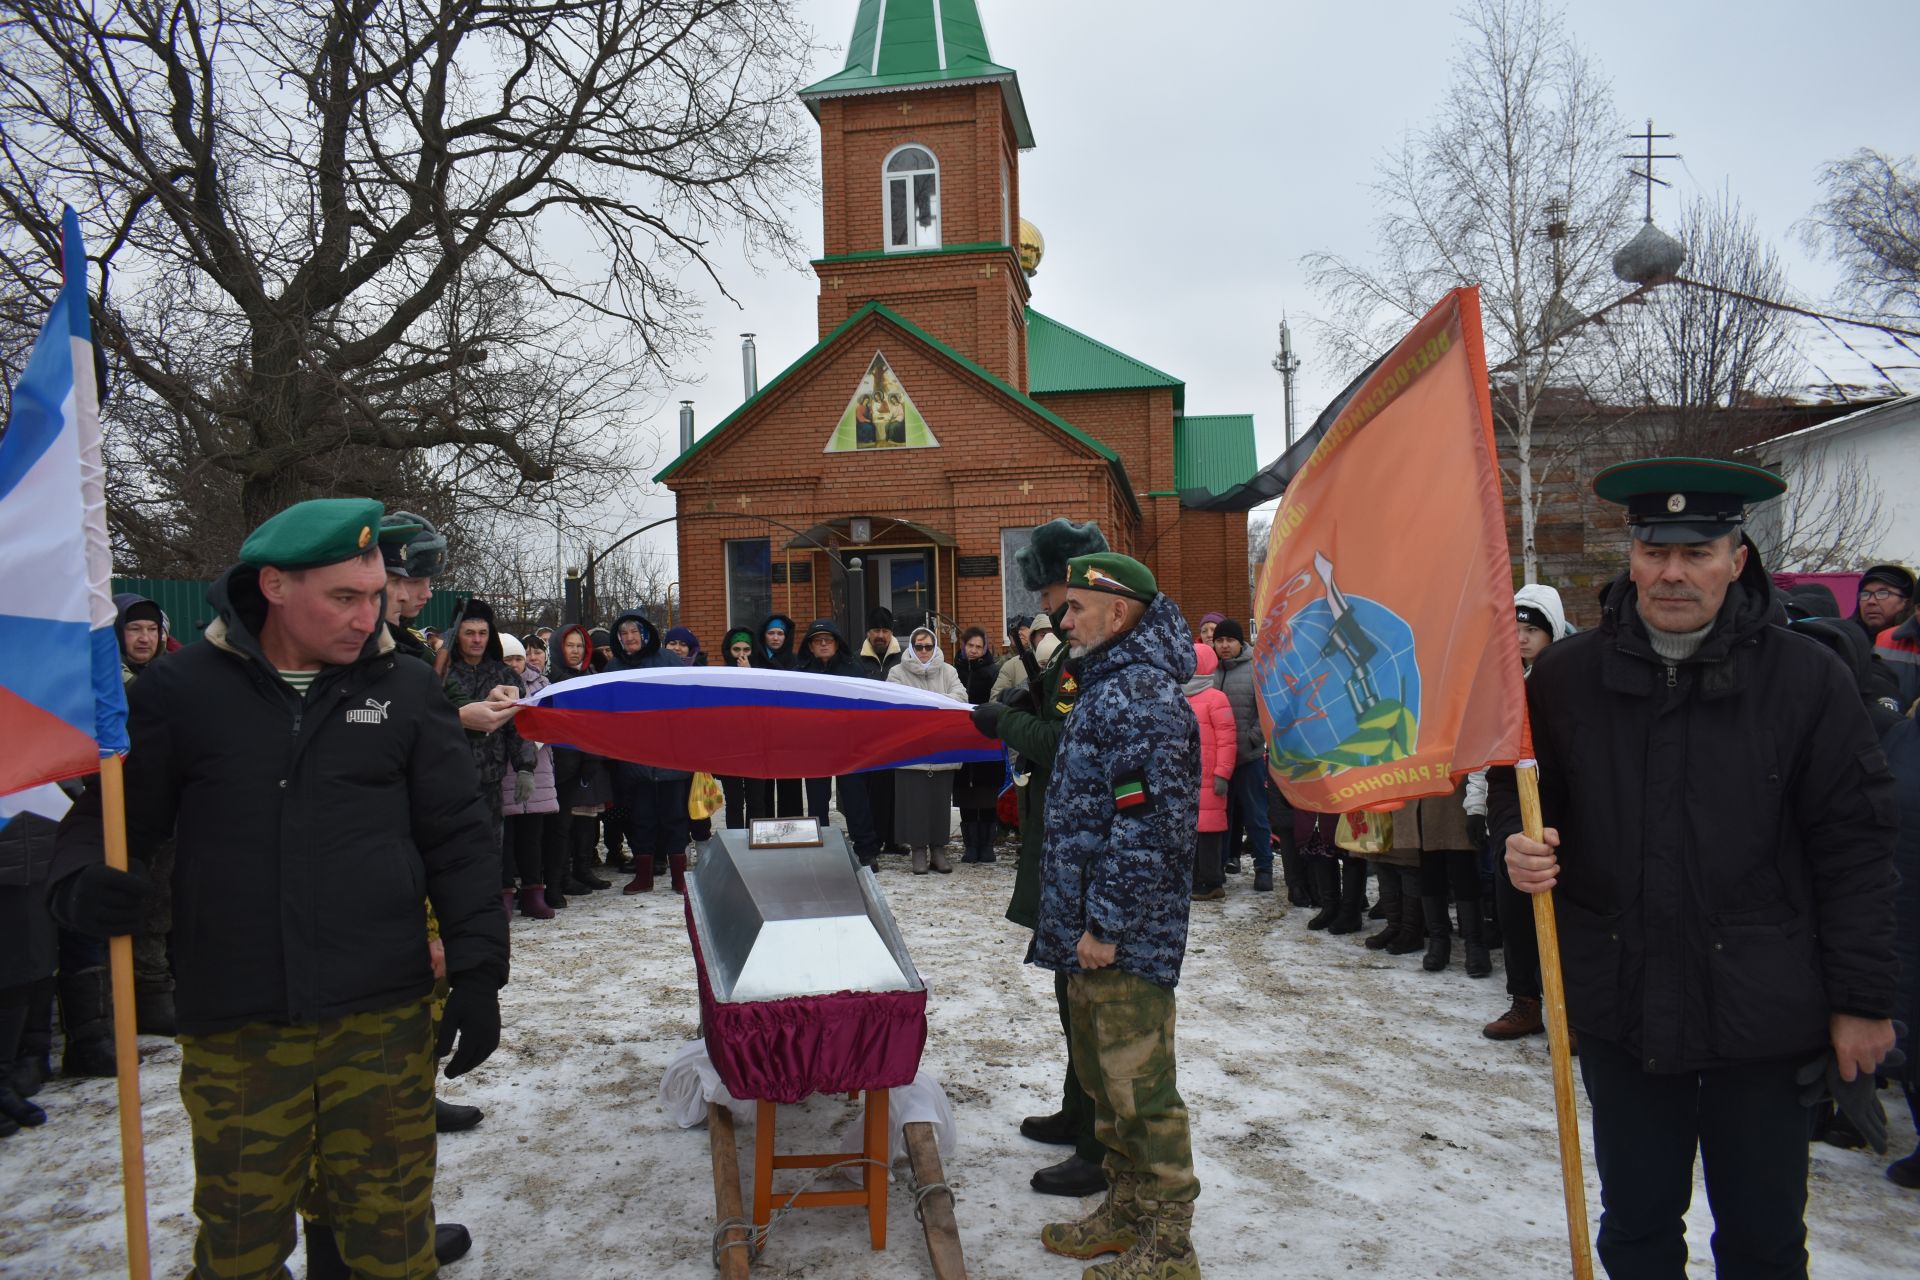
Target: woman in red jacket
[{"x": 1219, "y": 747}]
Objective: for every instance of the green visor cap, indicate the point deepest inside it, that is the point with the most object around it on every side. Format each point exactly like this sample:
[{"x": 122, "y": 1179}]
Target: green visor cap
[
  {"x": 1672, "y": 500},
  {"x": 1113, "y": 573},
  {"x": 323, "y": 531}
]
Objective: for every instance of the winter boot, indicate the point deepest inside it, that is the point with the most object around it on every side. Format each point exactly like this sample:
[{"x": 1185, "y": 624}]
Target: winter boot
[
  {"x": 584, "y": 836},
  {"x": 556, "y": 899},
  {"x": 32, "y": 1064},
  {"x": 1472, "y": 941},
  {"x": 455, "y": 1117},
  {"x": 86, "y": 1015},
  {"x": 642, "y": 881},
  {"x": 938, "y": 857},
  {"x": 677, "y": 870},
  {"x": 533, "y": 902},
  {"x": 1389, "y": 905},
  {"x": 509, "y": 898},
  {"x": 1490, "y": 920},
  {"x": 1110, "y": 1228},
  {"x": 1263, "y": 879},
  {"x": 1522, "y": 1019},
  {"x": 919, "y": 862},
  {"x": 1326, "y": 887},
  {"x": 13, "y": 1020},
  {"x": 1293, "y": 872},
  {"x": 969, "y": 841},
  {"x": 1439, "y": 934},
  {"x": 1162, "y": 1247},
  {"x": 1353, "y": 896},
  {"x": 987, "y": 831},
  {"x": 1411, "y": 936}
]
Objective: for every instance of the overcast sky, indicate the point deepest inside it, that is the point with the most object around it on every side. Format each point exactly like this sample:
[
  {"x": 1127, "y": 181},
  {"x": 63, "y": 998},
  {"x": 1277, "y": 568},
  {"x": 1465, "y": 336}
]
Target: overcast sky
[{"x": 1187, "y": 156}]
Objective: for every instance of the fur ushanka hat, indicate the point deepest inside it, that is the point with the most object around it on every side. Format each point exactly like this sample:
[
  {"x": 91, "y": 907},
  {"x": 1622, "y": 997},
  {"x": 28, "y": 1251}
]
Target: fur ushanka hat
[{"x": 1043, "y": 561}]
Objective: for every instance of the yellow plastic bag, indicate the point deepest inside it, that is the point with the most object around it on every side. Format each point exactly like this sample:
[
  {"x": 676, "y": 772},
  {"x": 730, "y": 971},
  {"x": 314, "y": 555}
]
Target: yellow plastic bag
[
  {"x": 706, "y": 798},
  {"x": 1364, "y": 833}
]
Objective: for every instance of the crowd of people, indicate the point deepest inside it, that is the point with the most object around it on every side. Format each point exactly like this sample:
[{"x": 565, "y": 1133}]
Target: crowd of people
[{"x": 1168, "y": 780}]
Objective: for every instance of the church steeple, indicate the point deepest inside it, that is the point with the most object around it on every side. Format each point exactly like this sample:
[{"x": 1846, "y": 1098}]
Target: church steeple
[
  {"x": 899, "y": 44},
  {"x": 920, "y": 141}
]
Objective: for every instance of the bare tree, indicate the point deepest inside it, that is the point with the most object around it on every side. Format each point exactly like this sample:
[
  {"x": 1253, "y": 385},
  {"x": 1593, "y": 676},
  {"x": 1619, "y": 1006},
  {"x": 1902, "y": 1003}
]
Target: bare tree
[
  {"x": 1831, "y": 517},
  {"x": 1869, "y": 222},
  {"x": 1700, "y": 360},
  {"x": 1515, "y": 186},
  {"x": 322, "y": 226}
]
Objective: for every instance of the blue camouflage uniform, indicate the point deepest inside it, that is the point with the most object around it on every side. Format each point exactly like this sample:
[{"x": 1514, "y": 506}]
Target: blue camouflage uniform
[{"x": 1122, "y": 814}]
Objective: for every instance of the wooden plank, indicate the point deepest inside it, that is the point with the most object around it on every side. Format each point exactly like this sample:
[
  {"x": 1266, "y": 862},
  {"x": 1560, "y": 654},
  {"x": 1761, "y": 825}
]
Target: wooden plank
[
  {"x": 726, "y": 1191},
  {"x": 936, "y": 1211}
]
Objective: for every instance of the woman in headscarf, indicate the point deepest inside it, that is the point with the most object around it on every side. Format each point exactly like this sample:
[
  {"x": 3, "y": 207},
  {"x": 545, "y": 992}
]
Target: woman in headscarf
[{"x": 923, "y": 793}]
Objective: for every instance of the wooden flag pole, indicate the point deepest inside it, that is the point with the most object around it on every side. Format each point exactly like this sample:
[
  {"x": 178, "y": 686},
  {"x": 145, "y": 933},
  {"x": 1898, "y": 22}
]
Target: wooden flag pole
[
  {"x": 126, "y": 1045},
  {"x": 1554, "y": 1003}
]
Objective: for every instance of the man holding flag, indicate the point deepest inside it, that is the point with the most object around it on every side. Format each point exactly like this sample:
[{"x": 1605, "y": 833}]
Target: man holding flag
[
  {"x": 314, "y": 817},
  {"x": 1721, "y": 828}
]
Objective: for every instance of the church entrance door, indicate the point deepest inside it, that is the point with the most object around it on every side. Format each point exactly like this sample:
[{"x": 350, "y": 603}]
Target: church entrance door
[{"x": 903, "y": 582}]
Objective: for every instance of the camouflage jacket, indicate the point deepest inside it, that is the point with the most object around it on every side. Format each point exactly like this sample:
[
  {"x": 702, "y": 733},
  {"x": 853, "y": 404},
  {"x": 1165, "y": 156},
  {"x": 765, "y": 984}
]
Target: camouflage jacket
[{"x": 1123, "y": 805}]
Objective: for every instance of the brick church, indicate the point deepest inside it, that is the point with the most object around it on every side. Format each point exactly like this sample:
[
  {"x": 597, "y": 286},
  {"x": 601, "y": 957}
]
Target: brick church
[{"x": 940, "y": 417}]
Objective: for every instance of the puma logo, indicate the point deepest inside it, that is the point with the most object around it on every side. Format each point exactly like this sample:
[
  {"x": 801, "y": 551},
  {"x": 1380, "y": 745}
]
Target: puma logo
[{"x": 372, "y": 713}]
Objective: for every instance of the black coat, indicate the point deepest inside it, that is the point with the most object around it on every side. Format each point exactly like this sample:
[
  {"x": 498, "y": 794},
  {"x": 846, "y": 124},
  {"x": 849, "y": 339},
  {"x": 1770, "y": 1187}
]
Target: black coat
[
  {"x": 310, "y": 834},
  {"x": 1903, "y": 752},
  {"x": 26, "y": 930},
  {"x": 1727, "y": 835}
]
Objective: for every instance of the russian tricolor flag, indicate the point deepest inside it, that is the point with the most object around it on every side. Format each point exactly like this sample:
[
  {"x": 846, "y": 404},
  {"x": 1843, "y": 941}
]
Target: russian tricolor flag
[
  {"x": 748, "y": 723},
  {"x": 62, "y": 706}
]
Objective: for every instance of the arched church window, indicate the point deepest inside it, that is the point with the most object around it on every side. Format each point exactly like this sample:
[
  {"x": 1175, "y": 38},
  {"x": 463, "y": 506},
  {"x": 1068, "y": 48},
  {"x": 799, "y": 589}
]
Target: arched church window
[{"x": 913, "y": 199}]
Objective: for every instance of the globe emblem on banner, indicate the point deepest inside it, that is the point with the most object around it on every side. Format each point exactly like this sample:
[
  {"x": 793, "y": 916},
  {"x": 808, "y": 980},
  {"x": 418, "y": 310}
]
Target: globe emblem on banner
[{"x": 1342, "y": 690}]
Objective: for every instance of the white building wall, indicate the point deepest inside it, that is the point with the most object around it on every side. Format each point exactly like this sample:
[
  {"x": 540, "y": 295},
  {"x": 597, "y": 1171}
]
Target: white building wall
[{"x": 1880, "y": 445}]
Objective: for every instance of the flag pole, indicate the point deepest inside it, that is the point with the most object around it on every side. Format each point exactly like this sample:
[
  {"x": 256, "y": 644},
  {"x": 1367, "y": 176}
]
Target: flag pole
[
  {"x": 126, "y": 1045},
  {"x": 1554, "y": 1002}
]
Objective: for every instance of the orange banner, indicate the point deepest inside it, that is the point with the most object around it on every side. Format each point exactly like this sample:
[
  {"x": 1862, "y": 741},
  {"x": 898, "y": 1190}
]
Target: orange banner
[{"x": 1387, "y": 661}]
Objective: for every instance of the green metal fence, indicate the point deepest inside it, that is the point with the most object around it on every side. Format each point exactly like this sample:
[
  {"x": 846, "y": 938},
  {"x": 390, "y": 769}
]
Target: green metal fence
[{"x": 184, "y": 601}]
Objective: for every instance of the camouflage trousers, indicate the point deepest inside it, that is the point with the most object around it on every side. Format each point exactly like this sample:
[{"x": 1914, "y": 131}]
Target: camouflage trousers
[
  {"x": 1123, "y": 1051},
  {"x": 349, "y": 1100}
]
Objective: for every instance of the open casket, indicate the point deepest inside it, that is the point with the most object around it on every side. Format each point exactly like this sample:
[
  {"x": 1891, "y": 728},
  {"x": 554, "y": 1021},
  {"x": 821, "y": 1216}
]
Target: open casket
[{"x": 805, "y": 984}]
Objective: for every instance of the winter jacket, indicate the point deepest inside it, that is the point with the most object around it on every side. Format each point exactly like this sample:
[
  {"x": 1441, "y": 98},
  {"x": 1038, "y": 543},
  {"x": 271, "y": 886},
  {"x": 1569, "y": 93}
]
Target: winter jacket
[
  {"x": 935, "y": 676},
  {"x": 310, "y": 833},
  {"x": 879, "y": 667},
  {"x": 1033, "y": 733},
  {"x": 844, "y": 661},
  {"x": 545, "y": 796},
  {"x": 783, "y": 658},
  {"x": 1899, "y": 648},
  {"x": 26, "y": 930},
  {"x": 1219, "y": 740},
  {"x": 980, "y": 781},
  {"x": 123, "y": 602},
  {"x": 1902, "y": 745},
  {"x": 580, "y": 778},
  {"x": 649, "y": 656},
  {"x": 503, "y": 751},
  {"x": 1123, "y": 804},
  {"x": 1727, "y": 828},
  {"x": 1235, "y": 679}
]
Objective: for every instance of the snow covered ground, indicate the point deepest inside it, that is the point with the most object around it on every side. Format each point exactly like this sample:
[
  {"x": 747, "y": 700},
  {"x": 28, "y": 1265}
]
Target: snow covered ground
[{"x": 1347, "y": 1118}]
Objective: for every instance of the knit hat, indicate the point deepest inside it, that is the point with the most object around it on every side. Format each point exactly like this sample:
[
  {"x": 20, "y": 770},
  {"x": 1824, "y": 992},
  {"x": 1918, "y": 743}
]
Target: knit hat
[
  {"x": 510, "y": 646},
  {"x": 1205, "y": 618},
  {"x": 879, "y": 618},
  {"x": 685, "y": 637},
  {"x": 1228, "y": 629}
]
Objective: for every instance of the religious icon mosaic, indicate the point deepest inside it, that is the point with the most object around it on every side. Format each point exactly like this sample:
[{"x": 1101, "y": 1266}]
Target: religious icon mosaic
[{"x": 880, "y": 415}]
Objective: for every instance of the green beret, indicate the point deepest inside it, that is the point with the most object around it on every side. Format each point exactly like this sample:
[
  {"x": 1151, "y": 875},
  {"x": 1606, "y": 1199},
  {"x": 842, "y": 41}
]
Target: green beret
[
  {"x": 323, "y": 531},
  {"x": 1113, "y": 573},
  {"x": 1685, "y": 499}
]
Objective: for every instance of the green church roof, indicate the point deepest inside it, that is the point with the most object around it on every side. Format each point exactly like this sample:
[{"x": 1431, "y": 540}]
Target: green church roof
[
  {"x": 1214, "y": 452},
  {"x": 1064, "y": 359},
  {"x": 909, "y": 44}
]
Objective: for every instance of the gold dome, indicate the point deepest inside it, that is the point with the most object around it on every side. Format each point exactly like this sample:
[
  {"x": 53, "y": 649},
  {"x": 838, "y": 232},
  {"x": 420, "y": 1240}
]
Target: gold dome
[{"x": 1033, "y": 247}]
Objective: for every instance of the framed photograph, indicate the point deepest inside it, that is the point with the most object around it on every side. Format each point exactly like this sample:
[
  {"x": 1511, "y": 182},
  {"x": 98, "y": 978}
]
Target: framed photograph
[{"x": 783, "y": 833}]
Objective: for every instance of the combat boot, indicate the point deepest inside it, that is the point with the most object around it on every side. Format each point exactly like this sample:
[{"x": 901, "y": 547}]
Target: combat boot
[
  {"x": 1111, "y": 1228},
  {"x": 1162, "y": 1248},
  {"x": 86, "y": 1015}
]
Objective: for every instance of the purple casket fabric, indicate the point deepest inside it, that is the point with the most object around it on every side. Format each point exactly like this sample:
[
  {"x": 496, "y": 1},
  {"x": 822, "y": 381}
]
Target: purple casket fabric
[{"x": 784, "y": 1050}]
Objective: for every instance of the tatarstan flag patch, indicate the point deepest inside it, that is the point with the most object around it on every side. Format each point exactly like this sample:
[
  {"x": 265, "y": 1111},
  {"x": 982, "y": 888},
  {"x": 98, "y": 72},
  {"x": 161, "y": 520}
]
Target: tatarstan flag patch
[{"x": 1130, "y": 792}]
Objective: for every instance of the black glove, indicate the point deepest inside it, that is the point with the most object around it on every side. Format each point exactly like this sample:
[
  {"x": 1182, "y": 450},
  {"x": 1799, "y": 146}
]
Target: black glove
[
  {"x": 1477, "y": 831},
  {"x": 473, "y": 1011},
  {"x": 102, "y": 901},
  {"x": 1859, "y": 1098},
  {"x": 1019, "y": 697},
  {"x": 986, "y": 718}
]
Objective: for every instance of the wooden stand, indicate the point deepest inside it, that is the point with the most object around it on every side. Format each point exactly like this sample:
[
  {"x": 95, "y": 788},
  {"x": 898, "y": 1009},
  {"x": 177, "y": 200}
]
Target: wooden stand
[{"x": 873, "y": 1186}]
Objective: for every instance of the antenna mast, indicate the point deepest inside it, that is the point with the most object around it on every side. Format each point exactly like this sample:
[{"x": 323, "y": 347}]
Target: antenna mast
[{"x": 1287, "y": 365}]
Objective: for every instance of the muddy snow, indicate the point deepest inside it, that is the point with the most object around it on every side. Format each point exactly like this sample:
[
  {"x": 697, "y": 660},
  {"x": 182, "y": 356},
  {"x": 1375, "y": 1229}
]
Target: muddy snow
[{"x": 1348, "y": 1117}]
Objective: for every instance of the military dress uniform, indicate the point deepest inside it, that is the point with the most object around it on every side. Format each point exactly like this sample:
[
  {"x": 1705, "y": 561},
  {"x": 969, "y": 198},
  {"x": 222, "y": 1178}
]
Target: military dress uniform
[{"x": 311, "y": 825}]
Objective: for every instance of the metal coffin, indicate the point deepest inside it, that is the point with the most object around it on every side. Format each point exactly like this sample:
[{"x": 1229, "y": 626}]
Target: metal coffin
[{"x": 776, "y": 923}]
